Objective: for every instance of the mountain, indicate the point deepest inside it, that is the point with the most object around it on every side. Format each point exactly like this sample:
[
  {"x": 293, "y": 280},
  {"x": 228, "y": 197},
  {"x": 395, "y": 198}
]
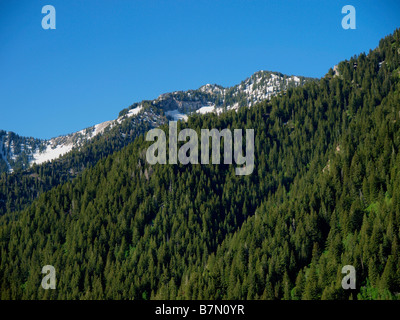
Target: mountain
[
  {"x": 324, "y": 194},
  {"x": 18, "y": 152},
  {"x": 85, "y": 148}
]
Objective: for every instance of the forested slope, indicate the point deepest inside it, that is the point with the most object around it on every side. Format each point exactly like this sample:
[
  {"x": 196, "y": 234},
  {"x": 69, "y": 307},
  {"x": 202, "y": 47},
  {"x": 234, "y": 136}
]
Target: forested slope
[
  {"x": 324, "y": 193},
  {"x": 20, "y": 188}
]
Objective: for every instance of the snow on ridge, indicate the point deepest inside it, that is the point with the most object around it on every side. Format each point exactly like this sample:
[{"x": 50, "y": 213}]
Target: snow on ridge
[
  {"x": 134, "y": 111},
  {"x": 99, "y": 128},
  {"x": 206, "y": 109},
  {"x": 51, "y": 153},
  {"x": 54, "y": 149},
  {"x": 130, "y": 113},
  {"x": 61, "y": 145},
  {"x": 176, "y": 115},
  {"x": 261, "y": 85},
  {"x": 210, "y": 88}
]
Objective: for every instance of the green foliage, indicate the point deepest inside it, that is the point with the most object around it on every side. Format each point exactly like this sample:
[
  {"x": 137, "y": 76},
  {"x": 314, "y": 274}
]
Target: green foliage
[{"x": 325, "y": 193}]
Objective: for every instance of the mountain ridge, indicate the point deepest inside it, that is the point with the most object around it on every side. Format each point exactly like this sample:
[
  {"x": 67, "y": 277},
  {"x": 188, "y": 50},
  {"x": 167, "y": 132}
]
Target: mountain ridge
[{"x": 18, "y": 152}]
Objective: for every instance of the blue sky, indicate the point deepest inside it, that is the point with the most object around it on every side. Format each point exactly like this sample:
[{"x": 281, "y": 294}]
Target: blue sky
[{"x": 105, "y": 55}]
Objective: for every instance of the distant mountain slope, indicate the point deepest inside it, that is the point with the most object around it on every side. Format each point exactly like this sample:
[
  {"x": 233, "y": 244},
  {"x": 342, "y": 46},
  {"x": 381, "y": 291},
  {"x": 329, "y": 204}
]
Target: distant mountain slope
[
  {"x": 18, "y": 152},
  {"x": 21, "y": 187}
]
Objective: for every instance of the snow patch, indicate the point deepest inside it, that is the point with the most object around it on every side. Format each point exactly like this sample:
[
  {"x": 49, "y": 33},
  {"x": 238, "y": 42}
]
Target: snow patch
[
  {"x": 99, "y": 128},
  {"x": 134, "y": 111},
  {"x": 176, "y": 115},
  {"x": 51, "y": 153},
  {"x": 206, "y": 109},
  {"x": 235, "y": 106}
]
